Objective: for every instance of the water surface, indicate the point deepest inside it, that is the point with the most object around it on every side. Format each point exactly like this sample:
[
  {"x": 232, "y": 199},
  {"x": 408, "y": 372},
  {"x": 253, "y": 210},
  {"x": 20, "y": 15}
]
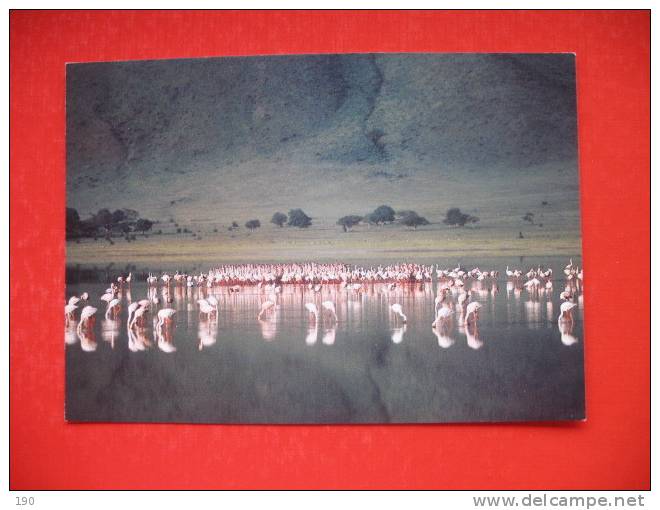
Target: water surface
[{"x": 366, "y": 367}]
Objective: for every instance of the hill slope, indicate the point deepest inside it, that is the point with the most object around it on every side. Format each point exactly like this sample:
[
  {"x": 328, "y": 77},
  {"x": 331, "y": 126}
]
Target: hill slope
[{"x": 212, "y": 140}]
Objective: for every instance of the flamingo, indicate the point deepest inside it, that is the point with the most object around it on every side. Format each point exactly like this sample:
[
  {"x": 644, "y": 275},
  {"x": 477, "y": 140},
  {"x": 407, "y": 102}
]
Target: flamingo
[
  {"x": 86, "y": 317},
  {"x": 472, "y": 310},
  {"x": 73, "y": 300},
  {"x": 108, "y": 296},
  {"x": 312, "y": 309},
  {"x": 165, "y": 315},
  {"x": 330, "y": 307},
  {"x": 213, "y": 302},
  {"x": 265, "y": 306},
  {"x": 205, "y": 308},
  {"x": 396, "y": 308},
  {"x": 68, "y": 312},
  {"x": 463, "y": 297},
  {"x": 113, "y": 307},
  {"x": 131, "y": 310},
  {"x": 444, "y": 314},
  {"x": 139, "y": 313},
  {"x": 566, "y": 311}
]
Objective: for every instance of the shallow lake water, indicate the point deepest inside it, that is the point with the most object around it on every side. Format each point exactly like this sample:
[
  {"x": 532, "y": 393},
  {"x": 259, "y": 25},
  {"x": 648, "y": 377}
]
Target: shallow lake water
[{"x": 519, "y": 363}]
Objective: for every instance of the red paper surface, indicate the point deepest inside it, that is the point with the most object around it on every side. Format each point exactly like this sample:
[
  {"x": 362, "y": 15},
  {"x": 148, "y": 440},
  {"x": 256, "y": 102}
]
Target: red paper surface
[{"x": 610, "y": 450}]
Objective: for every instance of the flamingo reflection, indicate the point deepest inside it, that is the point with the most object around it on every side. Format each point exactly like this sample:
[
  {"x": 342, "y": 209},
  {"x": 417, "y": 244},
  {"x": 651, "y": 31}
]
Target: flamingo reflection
[
  {"x": 110, "y": 331},
  {"x": 472, "y": 335},
  {"x": 329, "y": 336},
  {"x": 208, "y": 333},
  {"x": 397, "y": 334},
  {"x": 566, "y": 332}
]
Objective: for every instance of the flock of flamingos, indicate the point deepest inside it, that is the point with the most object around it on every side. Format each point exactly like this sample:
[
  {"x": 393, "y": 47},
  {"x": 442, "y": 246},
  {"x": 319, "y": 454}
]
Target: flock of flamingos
[{"x": 456, "y": 297}]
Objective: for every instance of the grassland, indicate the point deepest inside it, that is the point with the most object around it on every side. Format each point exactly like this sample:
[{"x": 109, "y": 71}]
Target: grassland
[{"x": 327, "y": 243}]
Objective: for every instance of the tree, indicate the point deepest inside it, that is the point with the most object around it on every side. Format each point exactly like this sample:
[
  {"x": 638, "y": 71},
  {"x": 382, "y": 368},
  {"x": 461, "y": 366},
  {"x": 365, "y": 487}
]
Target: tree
[
  {"x": 252, "y": 224},
  {"x": 382, "y": 214},
  {"x": 297, "y": 218},
  {"x": 412, "y": 219},
  {"x": 278, "y": 219},
  {"x": 143, "y": 225},
  {"x": 456, "y": 217},
  {"x": 348, "y": 222},
  {"x": 118, "y": 216}
]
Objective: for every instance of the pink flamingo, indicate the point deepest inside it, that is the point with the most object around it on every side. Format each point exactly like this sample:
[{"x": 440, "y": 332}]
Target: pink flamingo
[
  {"x": 68, "y": 313},
  {"x": 86, "y": 318},
  {"x": 398, "y": 310},
  {"x": 113, "y": 308},
  {"x": 165, "y": 315},
  {"x": 472, "y": 310},
  {"x": 265, "y": 307}
]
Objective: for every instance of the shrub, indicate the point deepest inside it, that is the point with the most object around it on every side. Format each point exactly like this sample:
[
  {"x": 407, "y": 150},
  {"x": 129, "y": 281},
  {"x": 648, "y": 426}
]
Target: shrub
[
  {"x": 143, "y": 225},
  {"x": 278, "y": 219},
  {"x": 455, "y": 217},
  {"x": 297, "y": 218},
  {"x": 412, "y": 219},
  {"x": 252, "y": 224},
  {"x": 348, "y": 222},
  {"x": 382, "y": 214}
]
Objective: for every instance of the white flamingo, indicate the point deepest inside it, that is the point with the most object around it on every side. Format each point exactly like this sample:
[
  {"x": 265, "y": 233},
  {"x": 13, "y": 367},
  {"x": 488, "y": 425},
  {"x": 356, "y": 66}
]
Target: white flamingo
[
  {"x": 313, "y": 309},
  {"x": 86, "y": 317},
  {"x": 165, "y": 315},
  {"x": 398, "y": 310},
  {"x": 68, "y": 312},
  {"x": 265, "y": 307},
  {"x": 205, "y": 308},
  {"x": 113, "y": 308},
  {"x": 472, "y": 310},
  {"x": 444, "y": 314},
  {"x": 566, "y": 311},
  {"x": 329, "y": 306}
]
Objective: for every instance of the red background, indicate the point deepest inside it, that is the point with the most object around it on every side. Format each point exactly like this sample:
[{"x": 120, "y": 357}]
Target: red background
[{"x": 610, "y": 450}]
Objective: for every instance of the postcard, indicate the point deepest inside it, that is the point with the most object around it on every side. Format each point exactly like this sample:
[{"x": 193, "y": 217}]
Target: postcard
[{"x": 349, "y": 238}]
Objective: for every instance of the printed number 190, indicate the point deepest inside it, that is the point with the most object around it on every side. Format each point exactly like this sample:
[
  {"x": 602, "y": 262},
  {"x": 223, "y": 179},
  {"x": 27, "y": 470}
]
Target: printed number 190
[{"x": 22, "y": 501}]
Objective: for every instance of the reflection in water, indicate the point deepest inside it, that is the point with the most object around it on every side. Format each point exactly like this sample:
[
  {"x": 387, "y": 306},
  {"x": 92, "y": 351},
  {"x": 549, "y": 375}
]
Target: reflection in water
[
  {"x": 397, "y": 334},
  {"x": 137, "y": 339},
  {"x": 329, "y": 336},
  {"x": 312, "y": 334},
  {"x": 566, "y": 331},
  {"x": 269, "y": 327},
  {"x": 110, "y": 331},
  {"x": 70, "y": 335},
  {"x": 442, "y": 331},
  {"x": 165, "y": 339},
  {"x": 374, "y": 363},
  {"x": 208, "y": 333},
  {"x": 472, "y": 335},
  {"x": 87, "y": 339}
]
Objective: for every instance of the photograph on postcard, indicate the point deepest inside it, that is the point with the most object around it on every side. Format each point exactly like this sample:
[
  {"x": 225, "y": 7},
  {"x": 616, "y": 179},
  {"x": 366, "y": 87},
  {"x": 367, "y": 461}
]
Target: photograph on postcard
[{"x": 350, "y": 238}]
